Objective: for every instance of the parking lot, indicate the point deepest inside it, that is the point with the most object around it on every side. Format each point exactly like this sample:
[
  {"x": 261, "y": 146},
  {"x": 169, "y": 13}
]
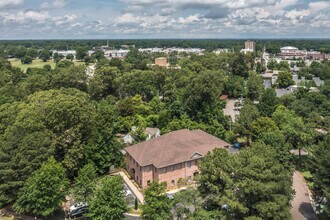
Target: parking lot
[
  {"x": 230, "y": 108},
  {"x": 130, "y": 198}
]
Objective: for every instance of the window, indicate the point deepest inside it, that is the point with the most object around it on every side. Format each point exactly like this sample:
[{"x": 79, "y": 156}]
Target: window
[
  {"x": 179, "y": 166},
  {"x": 172, "y": 168},
  {"x": 164, "y": 170},
  {"x": 155, "y": 170},
  {"x": 173, "y": 183},
  {"x": 148, "y": 182},
  {"x": 147, "y": 168},
  {"x": 189, "y": 164},
  {"x": 140, "y": 168}
]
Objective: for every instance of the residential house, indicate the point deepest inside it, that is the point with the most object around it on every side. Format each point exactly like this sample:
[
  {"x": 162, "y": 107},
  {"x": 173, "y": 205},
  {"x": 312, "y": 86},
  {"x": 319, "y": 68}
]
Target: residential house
[{"x": 128, "y": 139}]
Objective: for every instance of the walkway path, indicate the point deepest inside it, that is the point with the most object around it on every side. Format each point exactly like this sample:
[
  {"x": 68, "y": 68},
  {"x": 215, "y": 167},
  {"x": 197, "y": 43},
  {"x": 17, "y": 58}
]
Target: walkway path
[
  {"x": 132, "y": 187},
  {"x": 301, "y": 204}
]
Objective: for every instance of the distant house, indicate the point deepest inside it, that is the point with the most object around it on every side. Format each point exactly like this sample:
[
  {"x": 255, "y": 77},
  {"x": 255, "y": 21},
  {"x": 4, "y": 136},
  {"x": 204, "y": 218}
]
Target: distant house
[
  {"x": 170, "y": 157},
  {"x": 289, "y": 90},
  {"x": 152, "y": 133},
  {"x": 161, "y": 61},
  {"x": 128, "y": 139}
]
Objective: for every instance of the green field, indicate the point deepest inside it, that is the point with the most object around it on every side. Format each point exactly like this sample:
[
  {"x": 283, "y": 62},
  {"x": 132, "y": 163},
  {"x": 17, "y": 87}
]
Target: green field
[{"x": 37, "y": 64}]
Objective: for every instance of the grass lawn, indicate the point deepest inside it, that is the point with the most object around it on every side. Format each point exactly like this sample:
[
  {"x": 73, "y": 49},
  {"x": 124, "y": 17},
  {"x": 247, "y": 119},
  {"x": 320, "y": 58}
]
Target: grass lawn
[
  {"x": 37, "y": 64},
  {"x": 309, "y": 178}
]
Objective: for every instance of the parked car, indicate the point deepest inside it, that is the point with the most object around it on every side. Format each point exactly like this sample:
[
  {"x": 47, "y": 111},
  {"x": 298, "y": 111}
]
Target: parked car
[
  {"x": 77, "y": 205},
  {"x": 79, "y": 212}
]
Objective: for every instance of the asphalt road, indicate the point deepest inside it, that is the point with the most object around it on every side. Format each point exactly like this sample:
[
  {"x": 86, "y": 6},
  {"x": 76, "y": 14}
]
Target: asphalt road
[{"x": 301, "y": 204}]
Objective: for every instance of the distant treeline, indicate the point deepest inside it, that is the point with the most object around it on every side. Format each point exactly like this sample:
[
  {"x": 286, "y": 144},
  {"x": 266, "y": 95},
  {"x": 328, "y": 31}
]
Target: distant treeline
[{"x": 271, "y": 45}]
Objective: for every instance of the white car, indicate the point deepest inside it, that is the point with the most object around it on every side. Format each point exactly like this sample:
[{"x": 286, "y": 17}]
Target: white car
[{"x": 77, "y": 206}]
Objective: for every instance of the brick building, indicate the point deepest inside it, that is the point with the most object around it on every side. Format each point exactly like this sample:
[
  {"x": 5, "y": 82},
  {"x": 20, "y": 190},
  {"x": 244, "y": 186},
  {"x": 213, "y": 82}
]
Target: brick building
[
  {"x": 161, "y": 61},
  {"x": 170, "y": 157}
]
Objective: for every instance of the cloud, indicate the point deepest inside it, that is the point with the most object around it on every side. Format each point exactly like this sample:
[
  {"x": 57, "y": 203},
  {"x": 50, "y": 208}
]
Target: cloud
[
  {"x": 319, "y": 6},
  {"x": 53, "y": 4},
  {"x": 5, "y": 4},
  {"x": 168, "y": 18},
  {"x": 202, "y": 3},
  {"x": 25, "y": 17}
]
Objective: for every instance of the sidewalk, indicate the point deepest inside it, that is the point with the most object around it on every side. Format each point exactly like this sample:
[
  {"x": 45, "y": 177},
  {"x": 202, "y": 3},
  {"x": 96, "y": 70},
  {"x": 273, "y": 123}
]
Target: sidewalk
[{"x": 132, "y": 187}]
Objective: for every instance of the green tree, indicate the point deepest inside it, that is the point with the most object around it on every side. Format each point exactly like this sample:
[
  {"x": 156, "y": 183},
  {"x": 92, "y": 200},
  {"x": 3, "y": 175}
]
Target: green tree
[
  {"x": 202, "y": 94},
  {"x": 187, "y": 203},
  {"x": 44, "y": 55},
  {"x": 284, "y": 79},
  {"x": 99, "y": 55},
  {"x": 85, "y": 183},
  {"x": 243, "y": 125},
  {"x": 156, "y": 205},
  {"x": 297, "y": 134},
  {"x": 69, "y": 57},
  {"x": 234, "y": 86},
  {"x": 321, "y": 175},
  {"x": 108, "y": 201},
  {"x": 26, "y": 60},
  {"x": 44, "y": 191},
  {"x": 81, "y": 53},
  {"x": 260, "y": 68},
  {"x": 254, "y": 86},
  {"x": 32, "y": 53},
  {"x": 276, "y": 140},
  {"x": 103, "y": 82},
  {"x": 272, "y": 64},
  {"x": 267, "y": 102},
  {"x": 71, "y": 77},
  {"x": 240, "y": 67},
  {"x": 262, "y": 125},
  {"x": 252, "y": 183}
]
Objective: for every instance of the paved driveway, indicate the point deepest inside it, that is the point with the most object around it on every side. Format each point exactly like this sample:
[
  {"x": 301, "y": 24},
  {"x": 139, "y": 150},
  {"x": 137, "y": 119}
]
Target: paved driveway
[
  {"x": 230, "y": 108},
  {"x": 301, "y": 204}
]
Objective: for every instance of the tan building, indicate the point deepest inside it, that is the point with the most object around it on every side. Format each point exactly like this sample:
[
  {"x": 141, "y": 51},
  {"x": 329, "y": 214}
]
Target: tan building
[
  {"x": 170, "y": 157},
  {"x": 161, "y": 61},
  {"x": 250, "y": 45}
]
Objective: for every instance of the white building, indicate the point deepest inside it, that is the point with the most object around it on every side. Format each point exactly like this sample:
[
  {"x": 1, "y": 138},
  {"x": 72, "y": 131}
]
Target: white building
[
  {"x": 116, "y": 53},
  {"x": 64, "y": 52},
  {"x": 245, "y": 51},
  {"x": 289, "y": 52},
  {"x": 221, "y": 50}
]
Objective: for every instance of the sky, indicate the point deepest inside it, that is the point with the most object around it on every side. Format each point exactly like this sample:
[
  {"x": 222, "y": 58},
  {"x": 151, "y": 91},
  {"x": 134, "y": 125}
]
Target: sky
[{"x": 131, "y": 19}]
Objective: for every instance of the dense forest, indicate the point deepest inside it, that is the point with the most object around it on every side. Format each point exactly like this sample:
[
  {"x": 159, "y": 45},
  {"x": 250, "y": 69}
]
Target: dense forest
[
  {"x": 59, "y": 127},
  {"x": 272, "y": 46}
]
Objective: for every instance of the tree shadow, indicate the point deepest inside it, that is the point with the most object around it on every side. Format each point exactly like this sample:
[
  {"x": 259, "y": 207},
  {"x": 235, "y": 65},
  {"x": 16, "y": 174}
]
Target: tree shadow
[{"x": 307, "y": 211}]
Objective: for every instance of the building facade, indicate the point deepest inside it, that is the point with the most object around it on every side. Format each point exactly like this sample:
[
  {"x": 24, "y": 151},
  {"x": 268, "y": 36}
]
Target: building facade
[
  {"x": 161, "y": 61},
  {"x": 250, "y": 45},
  {"x": 171, "y": 157}
]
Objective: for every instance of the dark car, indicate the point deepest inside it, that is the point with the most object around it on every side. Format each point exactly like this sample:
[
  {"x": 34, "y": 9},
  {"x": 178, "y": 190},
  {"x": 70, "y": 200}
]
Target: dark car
[{"x": 79, "y": 212}]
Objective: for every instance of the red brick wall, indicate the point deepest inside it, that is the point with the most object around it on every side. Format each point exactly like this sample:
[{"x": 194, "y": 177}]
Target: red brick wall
[
  {"x": 151, "y": 173},
  {"x": 132, "y": 164}
]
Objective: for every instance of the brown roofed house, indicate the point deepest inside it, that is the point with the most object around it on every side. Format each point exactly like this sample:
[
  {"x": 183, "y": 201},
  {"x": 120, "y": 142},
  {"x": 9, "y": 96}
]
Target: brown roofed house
[{"x": 169, "y": 157}]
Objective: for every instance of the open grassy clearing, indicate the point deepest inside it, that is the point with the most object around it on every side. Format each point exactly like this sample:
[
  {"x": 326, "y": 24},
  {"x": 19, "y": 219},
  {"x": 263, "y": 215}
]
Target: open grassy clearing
[{"x": 37, "y": 64}]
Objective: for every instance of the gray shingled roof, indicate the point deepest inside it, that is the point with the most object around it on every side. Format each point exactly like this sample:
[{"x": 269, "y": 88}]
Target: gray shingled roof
[{"x": 174, "y": 147}]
